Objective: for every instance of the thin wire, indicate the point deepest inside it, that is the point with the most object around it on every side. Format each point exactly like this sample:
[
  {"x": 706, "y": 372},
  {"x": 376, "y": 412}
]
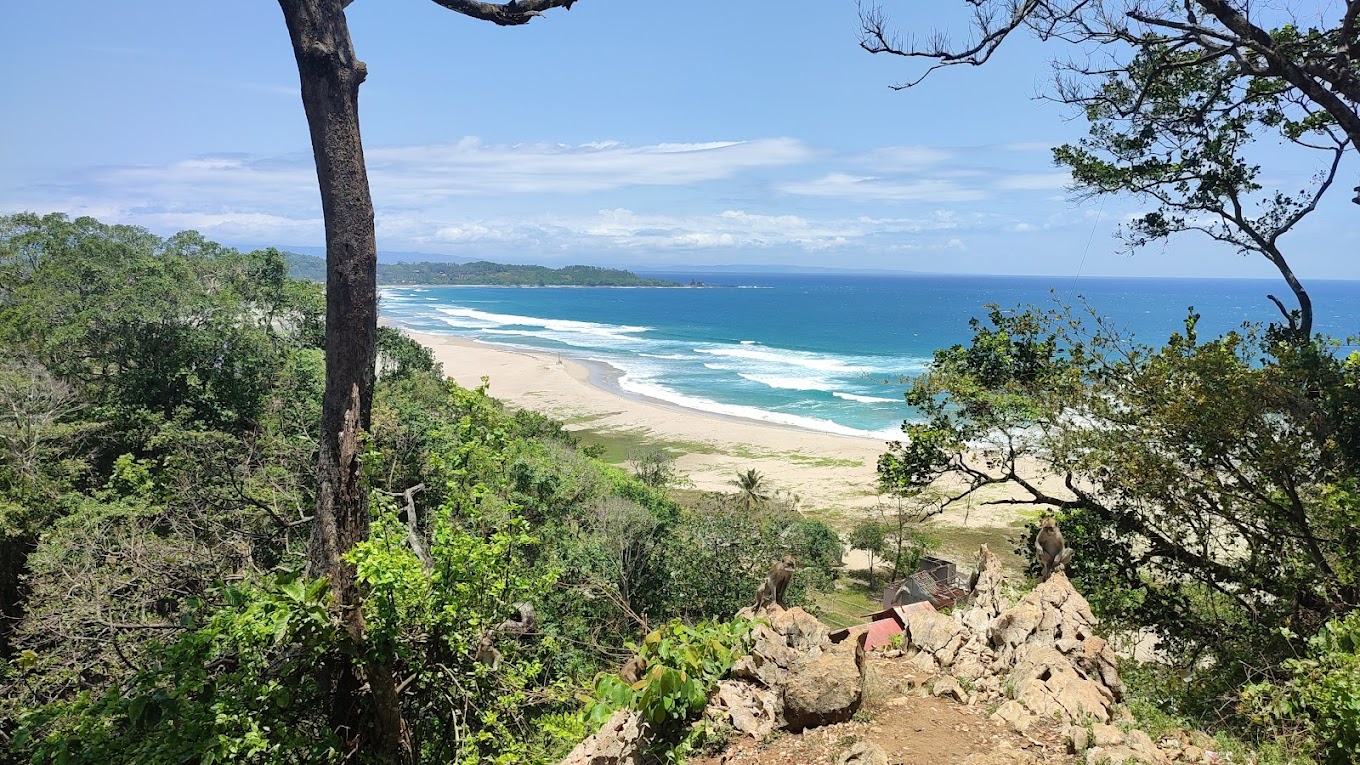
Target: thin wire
[{"x": 1099, "y": 214}]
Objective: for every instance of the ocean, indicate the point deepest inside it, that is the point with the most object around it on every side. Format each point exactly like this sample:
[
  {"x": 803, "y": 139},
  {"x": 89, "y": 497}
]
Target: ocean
[{"x": 821, "y": 352}]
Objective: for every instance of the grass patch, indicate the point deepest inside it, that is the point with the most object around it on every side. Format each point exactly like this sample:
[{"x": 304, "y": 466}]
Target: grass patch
[
  {"x": 847, "y": 606},
  {"x": 619, "y": 445},
  {"x": 960, "y": 544}
]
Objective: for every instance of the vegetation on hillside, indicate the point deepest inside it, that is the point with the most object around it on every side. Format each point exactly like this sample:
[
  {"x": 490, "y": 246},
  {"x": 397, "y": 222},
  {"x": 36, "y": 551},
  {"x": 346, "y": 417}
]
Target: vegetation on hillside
[
  {"x": 1209, "y": 485},
  {"x": 159, "y": 415},
  {"x": 483, "y": 273}
]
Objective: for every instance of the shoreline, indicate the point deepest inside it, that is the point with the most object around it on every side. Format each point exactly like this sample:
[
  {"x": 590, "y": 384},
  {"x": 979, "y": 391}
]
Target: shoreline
[
  {"x": 834, "y": 476},
  {"x": 826, "y": 470}
]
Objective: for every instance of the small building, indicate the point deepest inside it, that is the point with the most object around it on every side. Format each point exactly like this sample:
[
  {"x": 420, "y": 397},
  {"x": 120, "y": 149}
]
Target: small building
[
  {"x": 935, "y": 579},
  {"x": 882, "y": 626}
]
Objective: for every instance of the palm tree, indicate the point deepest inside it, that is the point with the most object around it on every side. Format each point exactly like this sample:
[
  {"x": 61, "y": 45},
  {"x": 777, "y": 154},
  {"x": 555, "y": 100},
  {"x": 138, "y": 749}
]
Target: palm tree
[{"x": 752, "y": 491}]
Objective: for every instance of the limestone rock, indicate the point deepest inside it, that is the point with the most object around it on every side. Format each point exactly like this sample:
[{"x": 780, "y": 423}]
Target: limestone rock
[
  {"x": 825, "y": 689},
  {"x": 1078, "y": 739},
  {"x": 1014, "y": 714},
  {"x": 1140, "y": 742},
  {"x": 934, "y": 633},
  {"x": 945, "y": 686},
  {"x": 863, "y": 753},
  {"x": 1106, "y": 735},
  {"x": 801, "y": 630},
  {"x": 1047, "y": 683},
  {"x": 752, "y": 710},
  {"x": 1122, "y": 755},
  {"x": 620, "y": 741}
]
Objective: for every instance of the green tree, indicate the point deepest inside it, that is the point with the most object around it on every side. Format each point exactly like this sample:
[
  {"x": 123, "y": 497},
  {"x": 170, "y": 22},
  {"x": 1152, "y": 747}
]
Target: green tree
[
  {"x": 1207, "y": 486},
  {"x": 872, "y": 537},
  {"x": 653, "y": 465},
  {"x": 752, "y": 490}
]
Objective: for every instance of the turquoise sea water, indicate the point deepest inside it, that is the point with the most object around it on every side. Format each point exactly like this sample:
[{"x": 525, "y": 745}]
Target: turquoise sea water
[{"x": 823, "y": 352}]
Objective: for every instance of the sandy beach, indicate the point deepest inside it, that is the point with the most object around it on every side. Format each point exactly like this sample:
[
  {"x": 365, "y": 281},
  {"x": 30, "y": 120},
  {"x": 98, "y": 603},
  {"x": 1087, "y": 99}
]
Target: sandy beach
[
  {"x": 832, "y": 475},
  {"x": 826, "y": 471}
]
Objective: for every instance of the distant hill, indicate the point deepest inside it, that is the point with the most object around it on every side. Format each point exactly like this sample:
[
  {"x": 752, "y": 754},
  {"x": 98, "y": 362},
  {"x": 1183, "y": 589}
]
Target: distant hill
[
  {"x": 308, "y": 267},
  {"x": 483, "y": 273}
]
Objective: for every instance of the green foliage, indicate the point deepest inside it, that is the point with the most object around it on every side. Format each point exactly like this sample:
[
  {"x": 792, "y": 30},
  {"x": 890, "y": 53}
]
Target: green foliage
[
  {"x": 1208, "y": 484},
  {"x": 175, "y": 328},
  {"x": 753, "y": 490},
  {"x": 159, "y": 415},
  {"x": 399, "y": 356},
  {"x": 872, "y": 537},
  {"x": 239, "y": 688},
  {"x": 684, "y": 665},
  {"x": 1318, "y": 704},
  {"x": 653, "y": 466}
]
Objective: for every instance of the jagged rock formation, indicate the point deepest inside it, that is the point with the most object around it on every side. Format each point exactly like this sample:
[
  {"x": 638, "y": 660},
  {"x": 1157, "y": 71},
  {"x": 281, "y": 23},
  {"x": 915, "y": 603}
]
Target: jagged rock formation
[
  {"x": 1041, "y": 658},
  {"x": 794, "y": 678},
  {"x": 1038, "y": 655},
  {"x": 1042, "y": 651},
  {"x": 797, "y": 674},
  {"x": 620, "y": 741}
]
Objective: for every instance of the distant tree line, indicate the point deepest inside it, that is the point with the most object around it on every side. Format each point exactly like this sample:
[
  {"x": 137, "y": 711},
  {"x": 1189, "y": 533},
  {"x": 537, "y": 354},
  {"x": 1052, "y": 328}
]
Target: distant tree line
[{"x": 483, "y": 273}]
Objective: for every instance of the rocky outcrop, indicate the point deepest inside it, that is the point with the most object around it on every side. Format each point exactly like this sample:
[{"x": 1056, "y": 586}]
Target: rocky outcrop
[
  {"x": 797, "y": 675},
  {"x": 793, "y": 678},
  {"x": 620, "y": 741},
  {"x": 863, "y": 753},
  {"x": 1043, "y": 649},
  {"x": 751, "y": 709},
  {"x": 825, "y": 689}
]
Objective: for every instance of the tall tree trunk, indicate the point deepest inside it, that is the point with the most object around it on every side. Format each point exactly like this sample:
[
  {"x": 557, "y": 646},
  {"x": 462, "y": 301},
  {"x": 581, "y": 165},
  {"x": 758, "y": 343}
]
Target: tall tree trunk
[{"x": 331, "y": 75}]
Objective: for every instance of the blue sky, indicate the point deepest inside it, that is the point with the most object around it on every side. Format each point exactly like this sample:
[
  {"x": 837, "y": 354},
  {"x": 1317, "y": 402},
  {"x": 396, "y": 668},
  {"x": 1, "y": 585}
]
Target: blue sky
[{"x": 624, "y": 132}]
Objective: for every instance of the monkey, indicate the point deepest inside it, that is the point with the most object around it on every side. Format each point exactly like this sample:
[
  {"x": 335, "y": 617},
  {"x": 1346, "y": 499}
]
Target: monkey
[
  {"x": 487, "y": 653},
  {"x": 523, "y": 622},
  {"x": 1053, "y": 554},
  {"x": 634, "y": 670},
  {"x": 776, "y": 582}
]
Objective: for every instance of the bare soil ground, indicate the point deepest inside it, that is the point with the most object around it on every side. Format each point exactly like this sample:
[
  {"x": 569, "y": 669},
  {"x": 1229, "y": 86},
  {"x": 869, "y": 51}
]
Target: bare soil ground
[{"x": 912, "y": 728}]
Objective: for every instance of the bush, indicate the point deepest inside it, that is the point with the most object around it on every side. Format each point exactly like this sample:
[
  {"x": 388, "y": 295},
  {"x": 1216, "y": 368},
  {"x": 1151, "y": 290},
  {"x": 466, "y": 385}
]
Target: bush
[
  {"x": 1319, "y": 705},
  {"x": 684, "y": 665}
]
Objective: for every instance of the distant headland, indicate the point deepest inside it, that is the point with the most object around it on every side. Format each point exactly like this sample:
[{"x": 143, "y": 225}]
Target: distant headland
[{"x": 483, "y": 273}]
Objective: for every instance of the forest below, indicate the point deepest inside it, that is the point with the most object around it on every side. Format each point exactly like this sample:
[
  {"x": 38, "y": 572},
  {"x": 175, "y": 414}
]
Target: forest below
[{"x": 158, "y": 446}]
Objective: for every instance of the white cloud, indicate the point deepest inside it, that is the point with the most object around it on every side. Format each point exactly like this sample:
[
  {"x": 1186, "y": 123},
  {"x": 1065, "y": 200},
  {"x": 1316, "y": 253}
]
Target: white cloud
[
  {"x": 470, "y": 166},
  {"x": 1034, "y": 181},
  {"x": 469, "y": 197},
  {"x": 627, "y": 230},
  {"x": 869, "y": 187}
]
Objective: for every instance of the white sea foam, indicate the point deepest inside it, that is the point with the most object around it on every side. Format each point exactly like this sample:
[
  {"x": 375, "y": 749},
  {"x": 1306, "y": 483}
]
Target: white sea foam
[
  {"x": 559, "y": 325},
  {"x": 866, "y": 399},
  {"x": 666, "y": 356},
  {"x": 461, "y": 323},
  {"x": 790, "y": 383},
  {"x": 781, "y": 356},
  {"x": 651, "y": 390}
]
